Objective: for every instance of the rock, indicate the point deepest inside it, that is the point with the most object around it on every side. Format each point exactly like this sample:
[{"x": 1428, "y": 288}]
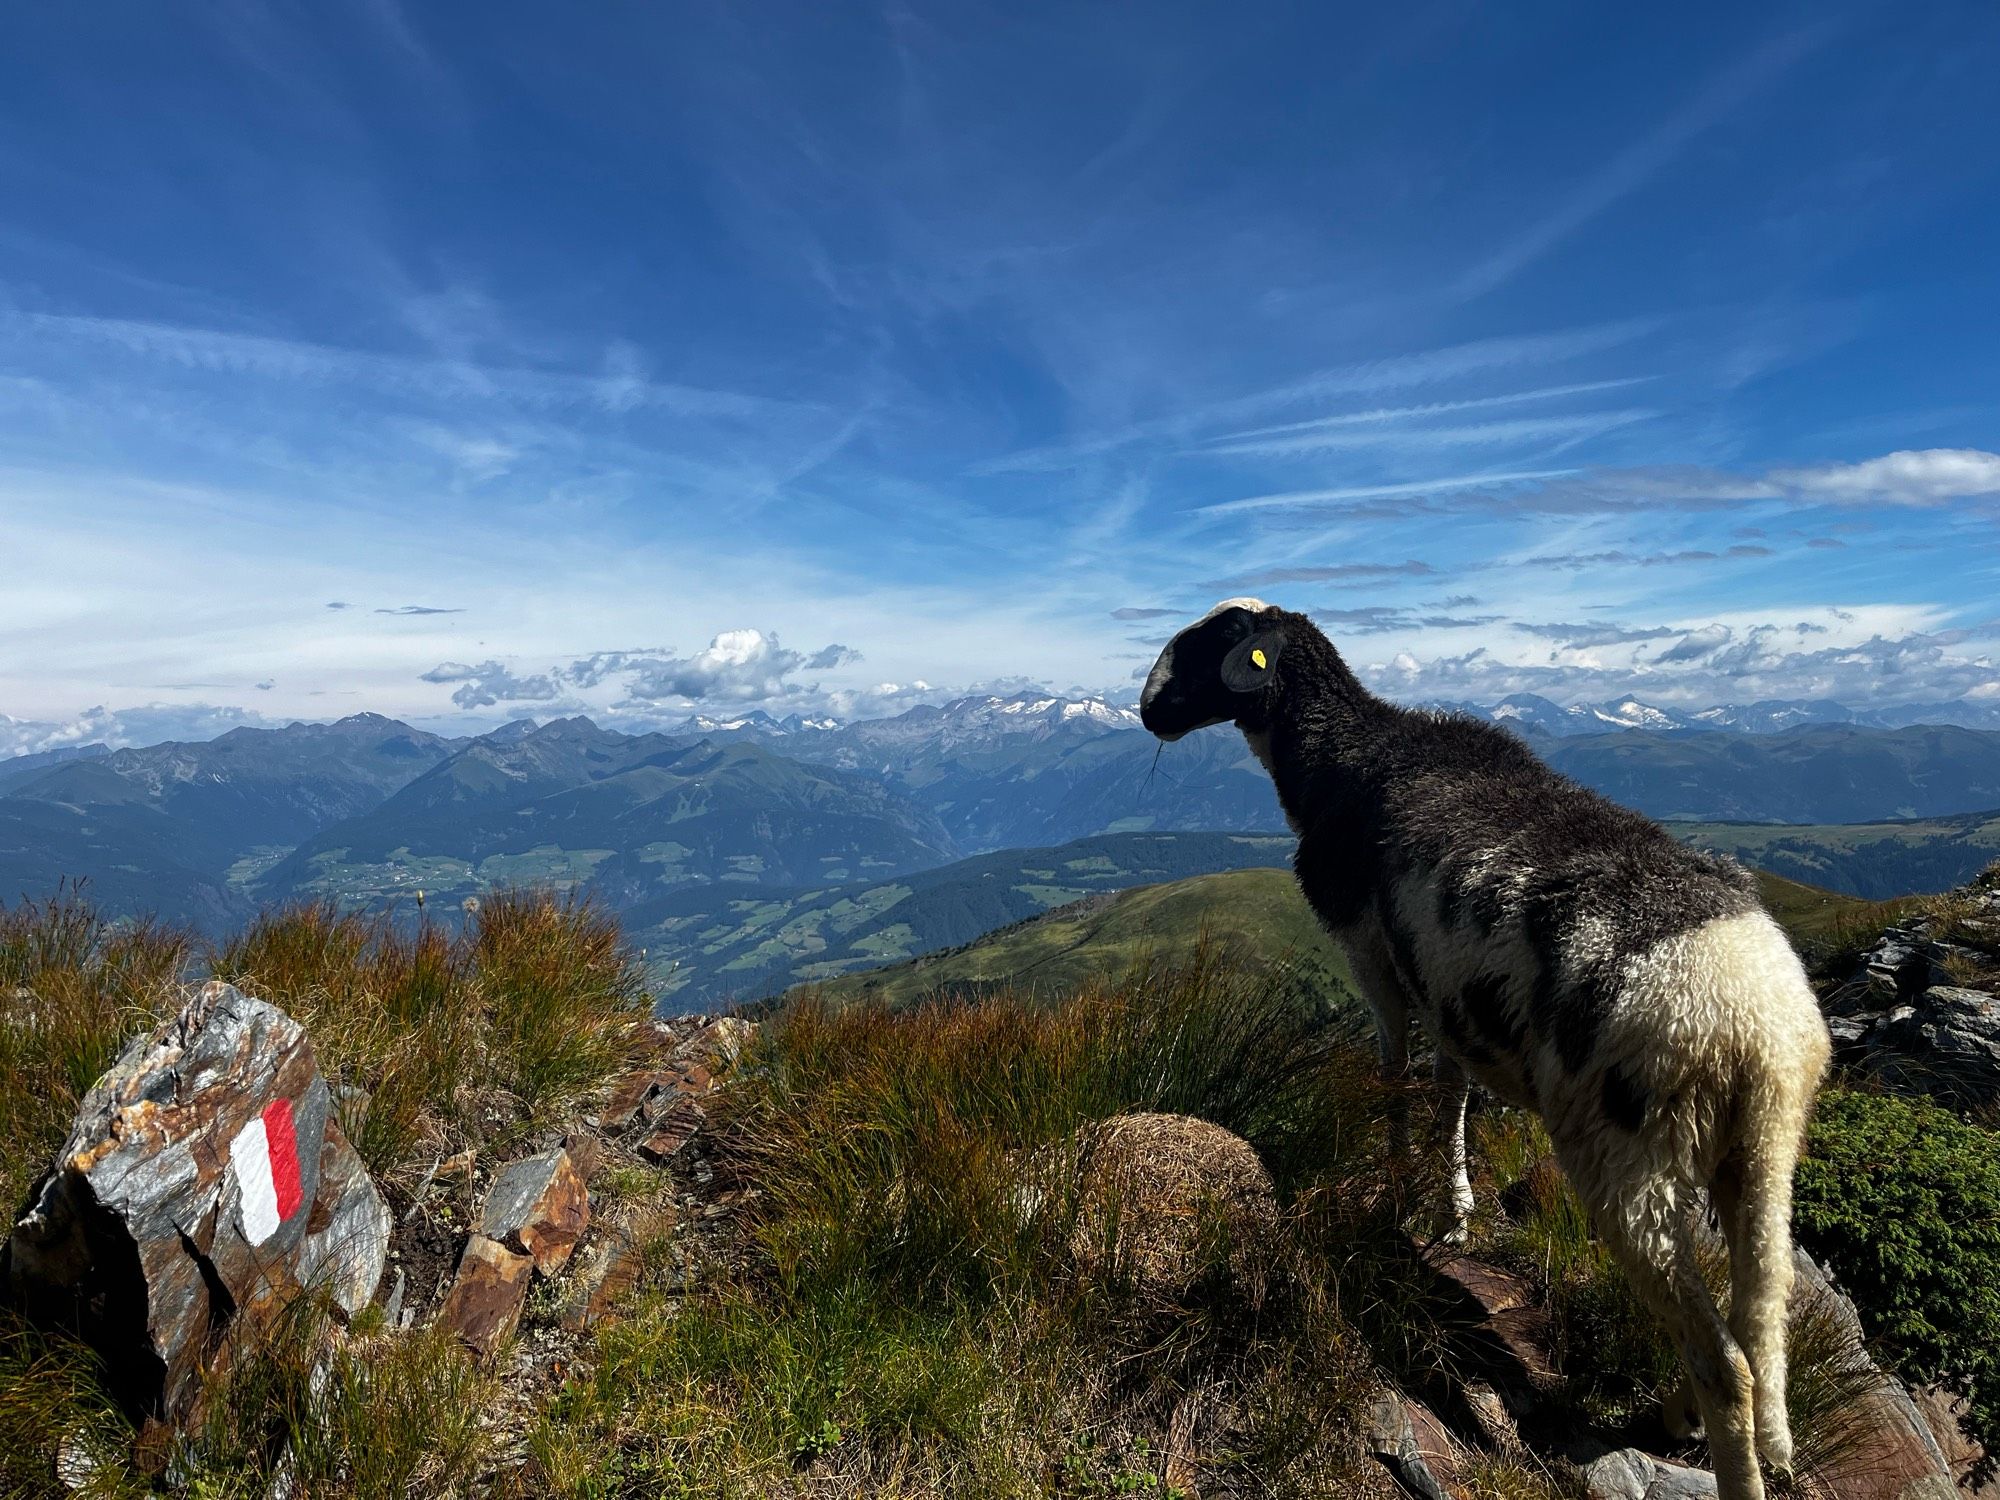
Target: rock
[
  {"x": 1506, "y": 1333},
  {"x": 676, "y": 1130},
  {"x": 539, "y": 1207},
  {"x": 628, "y": 1095},
  {"x": 642, "y": 1099},
  {"x": 608, "y": 1269},
  {"x": 718, "y": 1044},
  {"x": 1944, "y": 1044},
  {"x": 484, "y": 1304},
  {"x": 1628, "y": 1474},
  {"x": 347, "y": 1237},
  {"x": 586, "y": 1152},
  {"x": 202, "y": 1187},
  {"x": 1887, "y": 1451},
  {"x": 1408, "y": 1440}
]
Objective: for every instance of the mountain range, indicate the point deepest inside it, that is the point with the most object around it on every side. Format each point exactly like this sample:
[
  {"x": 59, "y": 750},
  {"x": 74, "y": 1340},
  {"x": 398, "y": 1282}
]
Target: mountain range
[
  {"x": 1770, "y": 716},
  {"x": 371, "y": 811}
]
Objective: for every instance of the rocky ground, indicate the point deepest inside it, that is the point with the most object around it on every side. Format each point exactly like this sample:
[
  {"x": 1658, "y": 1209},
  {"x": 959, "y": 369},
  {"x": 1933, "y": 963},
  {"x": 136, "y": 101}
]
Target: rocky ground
[{"x": 1920, "y": 1012}]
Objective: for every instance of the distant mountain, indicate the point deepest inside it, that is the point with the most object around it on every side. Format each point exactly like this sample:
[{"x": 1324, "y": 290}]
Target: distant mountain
[
  {"x": 370, "y": 809},
  {"x": 630, "y": 815},
  {"x": 756, "y": 723},
  {"x": 1818, "y": 773},
  {"x": 20, "y": 769},
  {"x": 126, "y": 859},
  {"x": 709, "y": 945},
  {"x": 1532, "y": 713},
  {"x": 1035, "y": 769},
  {"x": 242, "y": 795},
  {"x": 964, "y": 726}
]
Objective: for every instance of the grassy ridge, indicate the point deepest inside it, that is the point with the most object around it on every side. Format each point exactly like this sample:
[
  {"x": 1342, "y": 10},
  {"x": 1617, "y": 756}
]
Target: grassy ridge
[
  {"x": 708, "y": 945},
  {"x": 1252, "y": 916}
]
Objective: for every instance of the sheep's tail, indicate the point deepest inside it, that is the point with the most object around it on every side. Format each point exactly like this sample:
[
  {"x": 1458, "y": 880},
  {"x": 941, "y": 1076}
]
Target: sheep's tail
[{"x": 1774, "y": 1111}]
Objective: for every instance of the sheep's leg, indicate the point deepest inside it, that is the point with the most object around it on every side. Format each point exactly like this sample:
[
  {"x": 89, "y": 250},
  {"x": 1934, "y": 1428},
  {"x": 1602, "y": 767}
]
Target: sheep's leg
[
  {"x": 1753, "y": 1200},
  {"x": 1454, "y": 1089},
  {"x": 1376, "y": 980},
  {"x": 1647, "y": 1226}
]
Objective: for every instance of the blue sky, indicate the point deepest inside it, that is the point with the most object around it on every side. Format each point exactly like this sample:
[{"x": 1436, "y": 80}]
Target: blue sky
[{"x": 461, "y": 361}]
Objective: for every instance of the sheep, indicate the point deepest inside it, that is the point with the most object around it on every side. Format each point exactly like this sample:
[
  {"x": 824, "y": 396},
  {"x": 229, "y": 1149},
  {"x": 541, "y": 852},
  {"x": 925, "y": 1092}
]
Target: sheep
[{"x": 1568, "y": 955}]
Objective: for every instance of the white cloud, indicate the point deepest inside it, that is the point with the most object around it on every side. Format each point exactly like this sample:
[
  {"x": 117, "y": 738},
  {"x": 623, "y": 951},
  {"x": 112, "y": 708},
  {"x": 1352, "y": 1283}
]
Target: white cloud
[
  {"x": 737, "y": 666},
  {"x": 491, "y": 683},
  {"x": 1864, "y": 655},
  {"x": 141, "y": 724},
  {"x": 1918, "y": 476}
]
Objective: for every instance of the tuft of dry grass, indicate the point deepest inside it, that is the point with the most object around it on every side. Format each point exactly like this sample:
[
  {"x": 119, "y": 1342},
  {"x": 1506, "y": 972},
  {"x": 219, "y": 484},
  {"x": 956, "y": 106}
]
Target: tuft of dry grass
[
  {"x": 73, "y": 990},
  {"x": 911, "y": 1313},
  {"x": 442, "y": 1036}
]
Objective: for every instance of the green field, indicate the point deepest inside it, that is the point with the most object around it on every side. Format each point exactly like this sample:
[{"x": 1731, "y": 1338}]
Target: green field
[
  {"x": 1873, "y": 860},
  {"x": 1249, "y": 914}
]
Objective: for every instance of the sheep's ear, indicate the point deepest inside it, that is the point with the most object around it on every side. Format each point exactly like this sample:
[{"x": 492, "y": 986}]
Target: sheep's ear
[{"x": 1249, "y": 663}]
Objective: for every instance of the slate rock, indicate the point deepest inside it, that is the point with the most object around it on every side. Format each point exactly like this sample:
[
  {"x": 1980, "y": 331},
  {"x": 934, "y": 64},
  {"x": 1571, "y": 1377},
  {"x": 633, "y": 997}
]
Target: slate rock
[
  {"x": 202, "y": 1187},
  {"x": 676, "y": 1131},
  {"x": 347, "y": 1237},
  {"x": 483, "y": 1307},
  {"x": 538, "y": 1207},
  {"x": 608, "y": 1269},
  {"x": 718, "y": 1044},
  {"x": 1421, "y": 1455},
  {"x": 1945, "y": 1043}
]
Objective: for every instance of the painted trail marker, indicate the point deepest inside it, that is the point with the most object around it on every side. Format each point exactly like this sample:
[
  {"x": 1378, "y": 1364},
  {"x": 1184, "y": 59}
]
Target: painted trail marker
[{"x": 265, "y": 1155}]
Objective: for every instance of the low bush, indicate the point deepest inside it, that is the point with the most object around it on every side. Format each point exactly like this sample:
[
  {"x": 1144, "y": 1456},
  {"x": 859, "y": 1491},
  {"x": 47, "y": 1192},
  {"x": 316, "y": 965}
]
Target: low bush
[{"x": 1901, "y": 1201}]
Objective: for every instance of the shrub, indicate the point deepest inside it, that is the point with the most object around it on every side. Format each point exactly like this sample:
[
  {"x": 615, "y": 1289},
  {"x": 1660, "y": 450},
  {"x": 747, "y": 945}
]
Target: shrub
[
  {"x": 1901, "y": 1200},
  {"x": 561, "y": 991},
  {"x": 310, "y": 1411}
]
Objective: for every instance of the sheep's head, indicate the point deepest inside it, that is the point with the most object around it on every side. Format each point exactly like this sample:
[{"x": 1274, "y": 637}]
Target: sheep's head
[{"x": 1207, "y": 673}]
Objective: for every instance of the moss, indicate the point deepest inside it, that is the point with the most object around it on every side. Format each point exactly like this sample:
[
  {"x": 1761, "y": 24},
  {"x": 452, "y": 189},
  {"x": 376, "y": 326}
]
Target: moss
[{"x": 1901, "y": 1200}]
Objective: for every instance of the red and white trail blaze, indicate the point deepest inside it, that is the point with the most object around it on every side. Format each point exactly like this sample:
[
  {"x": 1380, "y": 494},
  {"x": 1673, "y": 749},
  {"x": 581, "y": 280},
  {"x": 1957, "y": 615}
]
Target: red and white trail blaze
[{"x": 265, "y": 1155}]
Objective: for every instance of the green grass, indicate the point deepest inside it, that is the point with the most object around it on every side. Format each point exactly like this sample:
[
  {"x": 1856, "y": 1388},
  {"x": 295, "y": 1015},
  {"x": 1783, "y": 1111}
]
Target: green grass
[
  {"x": 900, "y": 1323},
  {"x": 1242, "y": 915}
]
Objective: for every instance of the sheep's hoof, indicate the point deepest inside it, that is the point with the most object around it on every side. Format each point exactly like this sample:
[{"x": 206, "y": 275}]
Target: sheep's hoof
[
  {"x": 1679, "y": 1413},
  {"x": 1776, "y": 1451}
]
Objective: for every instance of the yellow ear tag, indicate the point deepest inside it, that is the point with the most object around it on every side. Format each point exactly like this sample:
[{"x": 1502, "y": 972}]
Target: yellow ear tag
[{"x": 1257, "y": 656}]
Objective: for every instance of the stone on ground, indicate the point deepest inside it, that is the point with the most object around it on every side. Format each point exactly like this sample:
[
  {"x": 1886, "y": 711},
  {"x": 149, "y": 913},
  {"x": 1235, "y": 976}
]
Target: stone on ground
[
  {"x": 538, "y": 1207},
  {"x": 202, "y": 1187},
  {"x": 487, "y": 1295}
]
